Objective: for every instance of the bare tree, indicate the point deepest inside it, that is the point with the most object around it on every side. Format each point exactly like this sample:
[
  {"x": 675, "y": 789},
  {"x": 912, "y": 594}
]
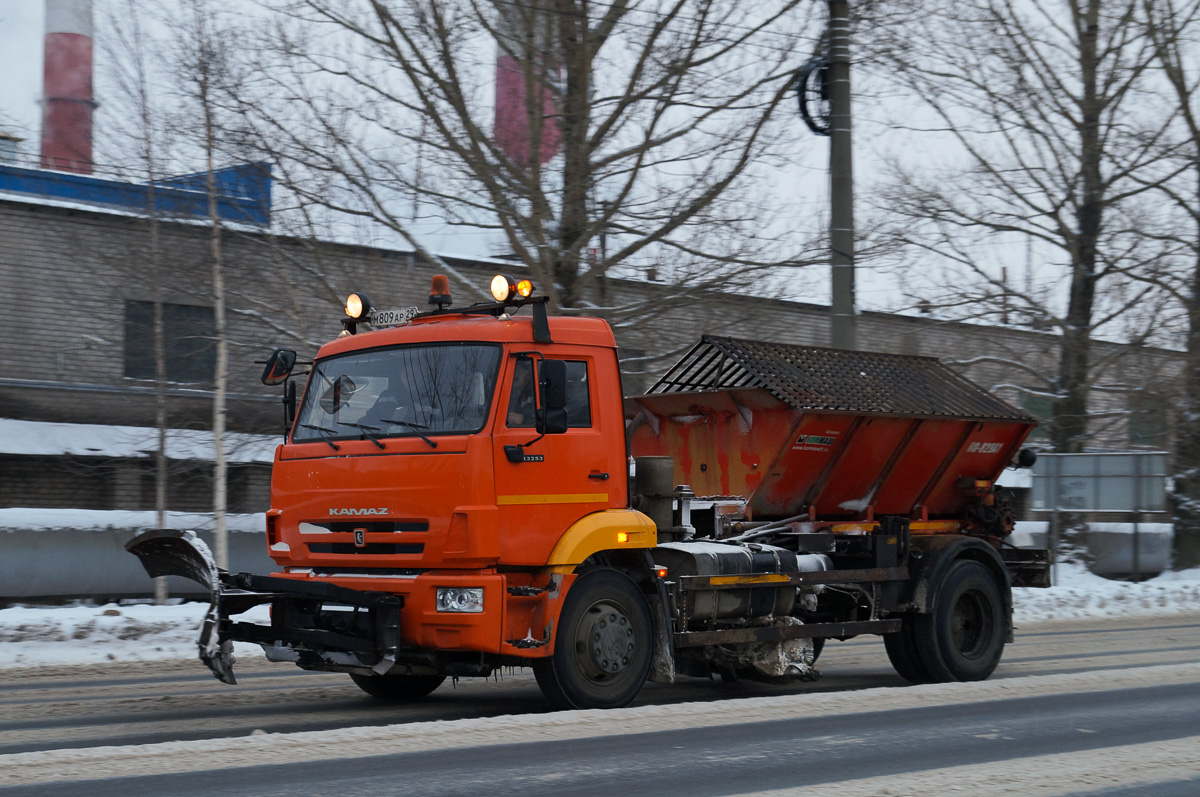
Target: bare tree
[
  {"x": 201, "y": 72},
  {"x": 640, "y": 124},
  {"x": 129, "y": 52},
  {"x": 1045, "y": 136},
  {"x": 1173, "y": 26}
]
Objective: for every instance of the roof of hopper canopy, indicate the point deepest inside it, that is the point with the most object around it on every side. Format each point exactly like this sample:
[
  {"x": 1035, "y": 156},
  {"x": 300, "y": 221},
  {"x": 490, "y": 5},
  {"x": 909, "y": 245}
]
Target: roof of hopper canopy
[{"x": 813, "y": 378}]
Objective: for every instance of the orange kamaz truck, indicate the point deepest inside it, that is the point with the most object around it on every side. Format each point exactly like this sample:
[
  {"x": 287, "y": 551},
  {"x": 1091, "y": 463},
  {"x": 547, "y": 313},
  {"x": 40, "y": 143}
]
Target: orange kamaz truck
[{"x": 464, "y": 489}]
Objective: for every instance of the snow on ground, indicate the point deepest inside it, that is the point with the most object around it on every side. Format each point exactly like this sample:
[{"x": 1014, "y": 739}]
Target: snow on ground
[
  {"x": 1079, "y": 595},
  {"x": 33, "y": 636}
]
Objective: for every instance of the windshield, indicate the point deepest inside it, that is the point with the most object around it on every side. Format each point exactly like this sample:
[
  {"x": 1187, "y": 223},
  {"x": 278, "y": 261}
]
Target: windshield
[{"x": 405, "y": 391}]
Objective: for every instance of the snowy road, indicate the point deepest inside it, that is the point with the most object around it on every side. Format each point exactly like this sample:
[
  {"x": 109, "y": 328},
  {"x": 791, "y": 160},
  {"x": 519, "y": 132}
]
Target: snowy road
[{"x": 1103, "y": 689}]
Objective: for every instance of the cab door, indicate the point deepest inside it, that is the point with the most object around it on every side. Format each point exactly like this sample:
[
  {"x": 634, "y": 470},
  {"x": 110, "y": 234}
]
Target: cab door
[{"x": 557, "y": 478}]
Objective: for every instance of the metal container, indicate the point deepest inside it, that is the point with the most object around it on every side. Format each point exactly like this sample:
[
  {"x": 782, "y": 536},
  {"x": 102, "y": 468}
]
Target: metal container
[
  {"x": 839, "y": 434},
  {"x": 717, "y": 559}
]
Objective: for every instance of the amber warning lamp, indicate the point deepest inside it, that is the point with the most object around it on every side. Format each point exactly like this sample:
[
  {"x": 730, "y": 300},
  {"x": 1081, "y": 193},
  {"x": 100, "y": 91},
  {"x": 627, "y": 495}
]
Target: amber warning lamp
[{"x": 439, "y": 291}]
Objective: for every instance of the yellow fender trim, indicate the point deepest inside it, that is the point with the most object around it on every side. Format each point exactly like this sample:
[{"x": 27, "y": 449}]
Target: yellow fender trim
[{"x": 600, "y": 531}]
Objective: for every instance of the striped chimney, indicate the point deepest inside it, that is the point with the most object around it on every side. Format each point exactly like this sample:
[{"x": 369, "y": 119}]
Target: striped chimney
[
  {"x": 517, "y": 26},
  {"x": 67, "y": 103}
]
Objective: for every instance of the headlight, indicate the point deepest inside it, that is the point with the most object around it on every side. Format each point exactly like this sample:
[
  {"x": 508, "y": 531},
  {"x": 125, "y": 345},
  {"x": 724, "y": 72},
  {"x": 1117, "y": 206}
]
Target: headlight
[
  {"x": 460, "y": 599},
  {"x": 503, "y": 287},
  {"x": 506, "y": 288},
  {"x": 358, "y": 306}
]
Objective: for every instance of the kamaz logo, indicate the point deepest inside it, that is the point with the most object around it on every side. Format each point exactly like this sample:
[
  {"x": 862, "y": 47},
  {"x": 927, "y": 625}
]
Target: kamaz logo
[{"x": 356, "y": 511}]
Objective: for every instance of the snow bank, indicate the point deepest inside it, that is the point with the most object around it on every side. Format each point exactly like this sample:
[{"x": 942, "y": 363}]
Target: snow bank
[
  {"x": 34, "y": 636},
  {"x": 1080, "y": 594}
]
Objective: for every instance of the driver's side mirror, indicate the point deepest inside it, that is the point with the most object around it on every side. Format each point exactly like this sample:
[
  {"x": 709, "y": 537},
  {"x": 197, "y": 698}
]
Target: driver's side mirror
[
  {"x": 552, "y": 379},
  {"x": 279, "y": 367}
]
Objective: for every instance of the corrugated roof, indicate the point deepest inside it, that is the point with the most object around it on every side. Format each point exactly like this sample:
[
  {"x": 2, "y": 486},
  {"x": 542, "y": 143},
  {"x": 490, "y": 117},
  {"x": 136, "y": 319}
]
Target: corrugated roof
[{"x": 813, "y": 378}]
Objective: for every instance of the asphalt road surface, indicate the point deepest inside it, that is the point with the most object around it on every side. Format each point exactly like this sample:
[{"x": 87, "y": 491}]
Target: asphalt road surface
[{"x": 1087, "y": 708}]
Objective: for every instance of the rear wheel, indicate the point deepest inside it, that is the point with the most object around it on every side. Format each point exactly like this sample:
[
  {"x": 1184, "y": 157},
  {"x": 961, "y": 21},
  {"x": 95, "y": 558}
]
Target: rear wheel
[
  {"x": 962, "y": 638},
  {"x": 902, "y": 652},
  {"x": 397, "y": 688},
  {"x": 603, "y": 646}
]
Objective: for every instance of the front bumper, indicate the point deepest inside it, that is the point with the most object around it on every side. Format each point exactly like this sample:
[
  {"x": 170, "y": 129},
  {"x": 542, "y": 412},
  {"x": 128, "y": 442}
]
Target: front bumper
[{"x": 319, "y": 625}]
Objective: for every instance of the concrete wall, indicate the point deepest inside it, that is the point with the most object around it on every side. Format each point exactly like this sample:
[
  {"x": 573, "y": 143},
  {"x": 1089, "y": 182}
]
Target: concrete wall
[{"x": 58, "y": 559}]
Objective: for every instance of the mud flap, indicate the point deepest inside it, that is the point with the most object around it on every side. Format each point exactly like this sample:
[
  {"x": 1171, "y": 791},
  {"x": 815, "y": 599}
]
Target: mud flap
[
  {"x": 166, "y": 552},
  {"x": 662, "y": 666}
]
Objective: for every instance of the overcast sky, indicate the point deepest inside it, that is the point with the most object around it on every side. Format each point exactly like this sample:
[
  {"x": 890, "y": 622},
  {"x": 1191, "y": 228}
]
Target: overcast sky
[
  {"x": 21, "y": 69},
  {"x": 21, "y": 38}
]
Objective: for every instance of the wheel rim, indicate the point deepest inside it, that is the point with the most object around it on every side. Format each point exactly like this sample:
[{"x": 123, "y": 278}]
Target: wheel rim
[
  {"x": 604, "y": 641},
  {"x": 971, "y": 623}
]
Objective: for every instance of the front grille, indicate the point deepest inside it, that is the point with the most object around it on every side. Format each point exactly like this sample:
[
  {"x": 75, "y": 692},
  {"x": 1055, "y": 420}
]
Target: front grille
[
  {"x": 371, "y": 526},
  {"x": 376, "y": 548},
  {"x": 374, "y": 572}
]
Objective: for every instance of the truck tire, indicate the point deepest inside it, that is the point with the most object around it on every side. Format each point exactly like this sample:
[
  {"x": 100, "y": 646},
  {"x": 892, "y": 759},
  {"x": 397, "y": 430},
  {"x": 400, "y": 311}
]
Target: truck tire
[
  {"x": 962, "y": 637},
  {"x": 901, "y": 649},
  {"x": 397, "y": 688},
  {"x": 603, "y": 646}
]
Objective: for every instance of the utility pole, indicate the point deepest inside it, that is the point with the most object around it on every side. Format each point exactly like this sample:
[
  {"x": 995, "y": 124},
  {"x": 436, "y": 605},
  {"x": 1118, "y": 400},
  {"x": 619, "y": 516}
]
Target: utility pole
[{"x": 843, "y": 331}]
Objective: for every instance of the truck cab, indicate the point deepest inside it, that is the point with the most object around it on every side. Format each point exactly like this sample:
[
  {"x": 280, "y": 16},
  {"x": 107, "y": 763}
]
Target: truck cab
[{"x": 415, "y": 466}]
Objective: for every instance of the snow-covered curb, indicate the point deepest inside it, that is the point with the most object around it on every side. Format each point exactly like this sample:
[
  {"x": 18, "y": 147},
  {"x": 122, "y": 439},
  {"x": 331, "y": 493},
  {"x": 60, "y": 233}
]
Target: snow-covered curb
[
  {"x": 1080, "y": 595},
  {"x": 36, "y": 636},
  {"x": 33, "y": 636}
]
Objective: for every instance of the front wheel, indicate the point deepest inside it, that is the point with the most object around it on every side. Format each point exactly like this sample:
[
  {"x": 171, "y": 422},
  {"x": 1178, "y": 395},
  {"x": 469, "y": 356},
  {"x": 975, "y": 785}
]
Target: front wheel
[
  {"x": 603, "y": 646},
  {"x": 397, "y": 688},
  {"x": 962, "y": 638}
]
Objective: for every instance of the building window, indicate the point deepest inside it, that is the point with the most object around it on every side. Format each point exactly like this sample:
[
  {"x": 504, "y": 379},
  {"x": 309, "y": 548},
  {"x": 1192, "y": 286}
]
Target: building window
[
  {"x": 1042, "y": 408},
  {"x": 188, "y": 333},
  {"x": 1147, "y": 420},
  {"x": 633, "y": 370}
]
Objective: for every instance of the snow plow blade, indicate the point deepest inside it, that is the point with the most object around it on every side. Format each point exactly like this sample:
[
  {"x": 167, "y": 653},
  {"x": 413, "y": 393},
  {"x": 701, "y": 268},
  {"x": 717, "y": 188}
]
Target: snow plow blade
[
  {"x": 364, "y": 639},
  {"x": 166, "y": 552}
]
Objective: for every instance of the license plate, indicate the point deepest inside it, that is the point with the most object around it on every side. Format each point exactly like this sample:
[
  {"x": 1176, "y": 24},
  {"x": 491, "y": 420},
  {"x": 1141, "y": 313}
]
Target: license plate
[{"x": 392, "y": 318}]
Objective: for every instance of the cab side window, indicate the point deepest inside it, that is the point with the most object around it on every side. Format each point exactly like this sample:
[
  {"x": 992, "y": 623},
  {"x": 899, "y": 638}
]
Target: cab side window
[
  {"x": 520, "y": 397},
  {"x": 579, "y": 405},
  {"x": 521, "y": 408}
]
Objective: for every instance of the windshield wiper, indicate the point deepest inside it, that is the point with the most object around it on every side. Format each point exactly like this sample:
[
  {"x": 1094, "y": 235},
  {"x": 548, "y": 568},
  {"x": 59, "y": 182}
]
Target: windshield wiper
[
  {"x": 415, "y": 427},
  {"x": 366, "y": 432},
  {"x": 326, "y": 434}
]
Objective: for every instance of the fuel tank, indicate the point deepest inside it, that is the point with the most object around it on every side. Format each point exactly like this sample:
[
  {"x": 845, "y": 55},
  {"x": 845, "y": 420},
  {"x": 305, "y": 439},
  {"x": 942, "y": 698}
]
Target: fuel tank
[{"x": 718, "y": 559}]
